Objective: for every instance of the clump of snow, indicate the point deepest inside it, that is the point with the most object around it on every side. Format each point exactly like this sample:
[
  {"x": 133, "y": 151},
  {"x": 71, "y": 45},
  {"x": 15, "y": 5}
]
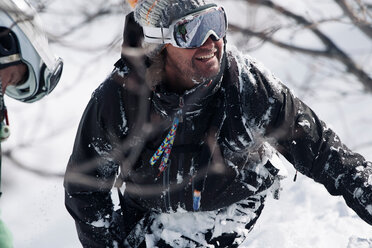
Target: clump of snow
[
  {"x": 101, "y": 223},
  {"x": 101, "y": 147},
  {"x": 179, "y": 178},
  {"x": 242, "y": 139},
  {"x": 124, "y": 127},
  {"x": 245, "y": 62},
  {"x": 304, "y": 123},
  {"x": 355, "y": 242},
  {"x": 172, "y": 227},
  {"x": 370, "y": 180}
]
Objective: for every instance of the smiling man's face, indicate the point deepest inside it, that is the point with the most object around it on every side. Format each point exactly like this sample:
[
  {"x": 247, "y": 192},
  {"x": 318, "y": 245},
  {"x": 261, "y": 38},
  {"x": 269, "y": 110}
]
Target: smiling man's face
[{"x": 186, "y": 67}]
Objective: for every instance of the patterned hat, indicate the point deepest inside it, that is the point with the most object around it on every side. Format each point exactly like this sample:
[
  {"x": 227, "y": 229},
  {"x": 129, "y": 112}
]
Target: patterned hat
[{"x": 159, "y": 13}]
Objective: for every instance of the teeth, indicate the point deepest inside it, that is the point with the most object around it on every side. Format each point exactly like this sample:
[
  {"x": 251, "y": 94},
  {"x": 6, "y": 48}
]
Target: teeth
[{"x": 208, "y": 56}]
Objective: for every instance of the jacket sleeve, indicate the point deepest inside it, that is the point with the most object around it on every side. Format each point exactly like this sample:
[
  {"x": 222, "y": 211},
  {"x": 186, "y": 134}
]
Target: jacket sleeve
[
  {"x": 91, "y": 171},
  {"x": 313, "y": 148}
]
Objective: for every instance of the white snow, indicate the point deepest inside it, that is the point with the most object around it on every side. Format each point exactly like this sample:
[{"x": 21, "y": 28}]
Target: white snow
[
  {"x": 356, "y": 242},
  {"x": 171, "y": 226},
  {"x": 179, "y": 178},
  {"x": 304, "y": 123},
  {"x": 100, "y": 223}
]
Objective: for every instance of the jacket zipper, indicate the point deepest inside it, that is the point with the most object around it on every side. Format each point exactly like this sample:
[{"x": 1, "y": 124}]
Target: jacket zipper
[
  {"x": 181, "y": 156},
  {"x": 167, "y": 202},
  {"x": 166, "y": 175}
]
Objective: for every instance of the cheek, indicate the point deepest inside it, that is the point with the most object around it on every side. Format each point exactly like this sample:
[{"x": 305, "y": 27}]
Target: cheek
[
  {"x": 180, "y": 56},
  {"x": 220, "y": 45}
]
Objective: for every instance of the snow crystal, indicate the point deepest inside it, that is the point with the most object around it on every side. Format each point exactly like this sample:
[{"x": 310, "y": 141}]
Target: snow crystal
[
  {"x": 124, "y": 127},
  {"x": 250, "y": 187},
  {"x": 194, "y": 113},
  {"x": 338, "y": 179},
  {"x": 179, "y": 178},
  {"x": 336, "y": 149},
  {"x": 304, "y": 123},
  {"x": 243, "y": 140},
  {"x": 369, "y": 180},
  {"x": 369, "y": 209},
  {"x": 277, "y": 162},
  {"x": 244, "y": 59},
  {"x": 101, "y": 223},
  {"x": 246, "y": 125},
  {"x": 267, "y": 116},
  {"x": 358, "y": 193},
  {"x": 115, "y": 244},
  {"x": 102, "y": 148},
  {"x": 122, "y": 72}
]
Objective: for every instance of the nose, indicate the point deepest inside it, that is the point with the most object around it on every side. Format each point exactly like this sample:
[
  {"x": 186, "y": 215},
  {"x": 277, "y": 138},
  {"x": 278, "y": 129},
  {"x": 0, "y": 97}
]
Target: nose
[{"x": 209, "y": 43}]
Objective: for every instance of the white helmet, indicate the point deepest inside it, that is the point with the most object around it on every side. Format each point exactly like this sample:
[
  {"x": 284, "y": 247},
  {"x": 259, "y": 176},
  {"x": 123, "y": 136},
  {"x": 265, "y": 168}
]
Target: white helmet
[{"x": 22, "y": 40}]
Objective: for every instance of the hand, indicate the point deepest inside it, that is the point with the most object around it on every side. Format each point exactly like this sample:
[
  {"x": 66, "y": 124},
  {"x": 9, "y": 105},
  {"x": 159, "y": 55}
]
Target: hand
[{"x": 12, "y": 75}]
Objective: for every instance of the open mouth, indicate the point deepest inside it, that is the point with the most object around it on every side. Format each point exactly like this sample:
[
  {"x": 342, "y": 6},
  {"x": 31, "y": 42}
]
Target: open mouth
[{"x": 208, "y": 56}]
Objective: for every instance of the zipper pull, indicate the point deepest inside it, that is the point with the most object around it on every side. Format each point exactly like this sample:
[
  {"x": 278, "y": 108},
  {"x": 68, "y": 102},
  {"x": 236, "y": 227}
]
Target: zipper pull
[{"x": 196, "y": 200}]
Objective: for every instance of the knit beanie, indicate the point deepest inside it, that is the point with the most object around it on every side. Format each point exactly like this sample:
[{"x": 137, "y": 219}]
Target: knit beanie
[{"x": 157, "y": 13}]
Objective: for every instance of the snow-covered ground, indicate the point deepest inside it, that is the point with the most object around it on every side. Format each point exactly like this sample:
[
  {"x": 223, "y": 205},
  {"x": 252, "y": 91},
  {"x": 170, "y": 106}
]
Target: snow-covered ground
[{"x": 305, "y": 216}]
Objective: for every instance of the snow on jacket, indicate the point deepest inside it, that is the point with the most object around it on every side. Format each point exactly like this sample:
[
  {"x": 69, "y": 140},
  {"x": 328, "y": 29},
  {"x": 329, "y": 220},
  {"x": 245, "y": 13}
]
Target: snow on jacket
[{"x": 254, "y": 114}]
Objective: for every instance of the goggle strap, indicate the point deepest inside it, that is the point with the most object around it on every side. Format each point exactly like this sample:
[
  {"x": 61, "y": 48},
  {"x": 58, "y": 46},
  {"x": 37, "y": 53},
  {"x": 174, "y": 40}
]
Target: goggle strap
[
  {"x": 10, "y": 59},
  {"x": 157, "y": 35},
  {"x": 162, "y": 32}
]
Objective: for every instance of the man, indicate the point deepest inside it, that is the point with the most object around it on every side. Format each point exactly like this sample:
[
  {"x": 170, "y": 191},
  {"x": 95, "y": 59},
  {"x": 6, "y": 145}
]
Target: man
[
  {"x": 28, "y": 70},
  {"x": 197, "y": 151}
]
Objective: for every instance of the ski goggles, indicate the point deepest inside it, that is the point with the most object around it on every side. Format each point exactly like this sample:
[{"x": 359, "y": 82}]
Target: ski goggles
[
  {"x": 23, "y": 40},
  {"x": 190, "y": 31}
]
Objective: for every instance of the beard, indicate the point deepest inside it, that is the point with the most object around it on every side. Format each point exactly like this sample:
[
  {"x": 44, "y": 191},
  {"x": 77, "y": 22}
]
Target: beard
[{"x": 200, "y": 76}]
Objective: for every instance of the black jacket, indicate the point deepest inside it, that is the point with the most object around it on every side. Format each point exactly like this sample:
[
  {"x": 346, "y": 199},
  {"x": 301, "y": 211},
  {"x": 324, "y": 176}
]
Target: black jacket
[{"x": 251, "y": 114}]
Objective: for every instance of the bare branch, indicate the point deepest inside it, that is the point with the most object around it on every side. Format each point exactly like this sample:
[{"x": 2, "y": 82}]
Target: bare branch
[
  {"x": 331, "y": 51},
  {"x": 89, "y": 18},
  {"x": 364, "y": 26},
  {"x": 268, "y": 37},
  {"x": 39, "y": 172},
  {"x": 364, "y": 7}
]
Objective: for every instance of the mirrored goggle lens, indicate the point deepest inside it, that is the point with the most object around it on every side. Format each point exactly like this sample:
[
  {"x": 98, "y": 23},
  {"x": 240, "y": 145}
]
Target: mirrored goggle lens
[
  {"x": 193, "y": 33},
  {"x": 54, "y": 77},
  {"x": 48, "y": 81}
]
